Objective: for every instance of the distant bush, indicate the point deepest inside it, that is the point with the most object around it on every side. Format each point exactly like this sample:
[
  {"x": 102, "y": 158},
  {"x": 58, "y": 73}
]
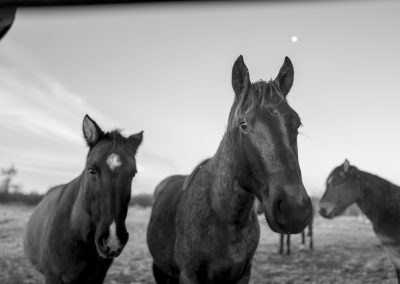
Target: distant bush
[
  {"x": 20, "y": 198},
  {"x": 142, "y": 200}
]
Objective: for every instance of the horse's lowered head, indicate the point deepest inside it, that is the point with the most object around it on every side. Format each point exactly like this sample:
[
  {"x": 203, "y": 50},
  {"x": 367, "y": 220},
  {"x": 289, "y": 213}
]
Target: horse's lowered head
[
  {"x": 106, "y": 186},
  {"x": 264, "y": 129},
  {"x": 342, "y": 189}
]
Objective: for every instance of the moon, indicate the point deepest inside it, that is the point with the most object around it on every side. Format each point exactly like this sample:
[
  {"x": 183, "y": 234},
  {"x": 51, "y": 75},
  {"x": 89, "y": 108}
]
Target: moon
[{"x": 294, "y": 39}]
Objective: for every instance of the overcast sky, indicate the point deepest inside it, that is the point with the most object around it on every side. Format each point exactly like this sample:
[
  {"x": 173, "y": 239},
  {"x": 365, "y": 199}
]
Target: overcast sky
[{"x": 166, "y": 69}]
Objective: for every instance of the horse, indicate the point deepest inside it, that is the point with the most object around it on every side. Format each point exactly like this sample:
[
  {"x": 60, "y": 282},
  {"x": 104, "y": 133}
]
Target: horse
[
  {"x": 376, "y": 197},
  {"x": 78, "y": 228},
  {"x": 203, "y": 228}
]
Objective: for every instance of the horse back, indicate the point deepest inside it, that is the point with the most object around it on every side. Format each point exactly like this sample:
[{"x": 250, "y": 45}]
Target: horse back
[{"x": 161, "y": 232}]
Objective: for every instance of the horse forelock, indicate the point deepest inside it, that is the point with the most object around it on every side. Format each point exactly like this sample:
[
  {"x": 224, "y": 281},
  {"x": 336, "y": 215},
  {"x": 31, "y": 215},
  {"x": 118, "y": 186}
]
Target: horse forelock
[
  {"x": 261, "y": 94},
  {"x": 116, "y": 138}
]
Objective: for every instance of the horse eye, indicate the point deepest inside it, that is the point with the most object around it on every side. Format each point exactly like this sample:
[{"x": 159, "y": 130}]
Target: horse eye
[
  {"x": 243, "y": 125},
  {"x": 92, "y": 172}
]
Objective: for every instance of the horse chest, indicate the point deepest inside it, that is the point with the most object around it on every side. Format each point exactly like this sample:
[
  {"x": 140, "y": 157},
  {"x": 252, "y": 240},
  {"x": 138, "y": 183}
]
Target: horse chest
[
  {"x": 240, "y": 251},
  {"x": 225, "y": 271},
  {"x": 391, "y": 243},
  {"x": 244, "y": 244},
  {"x": 232, "y": 255},
  {"x": 225, "y": 242},
  {"x": 70, "y": 259}
]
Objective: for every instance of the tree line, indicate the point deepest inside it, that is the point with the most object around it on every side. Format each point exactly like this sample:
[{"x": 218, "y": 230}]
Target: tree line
[{"x": 11, "y": 192}]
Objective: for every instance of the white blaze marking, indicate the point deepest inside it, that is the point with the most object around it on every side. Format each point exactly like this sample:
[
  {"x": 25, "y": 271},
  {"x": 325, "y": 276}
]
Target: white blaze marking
[
  {"x": 114, "y": 161},
  {"x": 113, "y": 241}
]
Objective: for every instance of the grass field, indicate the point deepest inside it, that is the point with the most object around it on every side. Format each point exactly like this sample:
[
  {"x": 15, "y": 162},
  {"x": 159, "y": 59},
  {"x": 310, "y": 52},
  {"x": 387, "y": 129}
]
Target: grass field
[{"x": 346, "y": 251}]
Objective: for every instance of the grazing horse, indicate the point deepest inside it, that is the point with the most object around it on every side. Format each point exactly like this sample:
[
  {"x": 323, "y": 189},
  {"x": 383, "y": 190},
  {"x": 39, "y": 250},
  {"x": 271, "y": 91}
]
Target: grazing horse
[
  {"x": 203, "y": 228},
  {"x": 377, "y": 198},
  {"x": 78, "y": 228}
]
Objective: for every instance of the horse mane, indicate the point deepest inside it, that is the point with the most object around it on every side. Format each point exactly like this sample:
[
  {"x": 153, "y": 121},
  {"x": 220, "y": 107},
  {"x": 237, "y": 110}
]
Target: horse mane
[
  {"x": 190, "y": 178},
  {"x": 261, "y": 94}
]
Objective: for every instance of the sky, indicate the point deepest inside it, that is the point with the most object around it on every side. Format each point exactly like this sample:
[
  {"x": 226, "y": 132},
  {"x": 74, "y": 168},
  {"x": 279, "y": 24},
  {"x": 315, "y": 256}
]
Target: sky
[{"x": 166, "y": 69}]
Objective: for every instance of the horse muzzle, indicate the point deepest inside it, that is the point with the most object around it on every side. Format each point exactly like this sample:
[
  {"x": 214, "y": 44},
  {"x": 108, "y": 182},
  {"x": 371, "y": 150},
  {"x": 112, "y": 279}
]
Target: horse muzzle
[
  {"x": 111, "y": 245},
  {"x": 289, "y": 213},
  {"x": 327, "y": 210}
]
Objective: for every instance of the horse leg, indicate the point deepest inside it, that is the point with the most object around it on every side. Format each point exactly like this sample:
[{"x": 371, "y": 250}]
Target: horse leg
[
  {"x": 281, "y": 244},
  {"x": 310, "y": 234},
  {"x": 398, "y": 276},
  {"x": 245, "y": 277},
  {"x": 161, "y": 277},
  {"x": 303, "y": 240},
  {"x": 288, "y": 244}
]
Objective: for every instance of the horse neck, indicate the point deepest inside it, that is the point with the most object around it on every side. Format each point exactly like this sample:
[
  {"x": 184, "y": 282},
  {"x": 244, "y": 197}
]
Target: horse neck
[
  {"x": 80, "y": 215},
  {"x": 378, "y": 197},
  {"x": 229, "y": 200}
]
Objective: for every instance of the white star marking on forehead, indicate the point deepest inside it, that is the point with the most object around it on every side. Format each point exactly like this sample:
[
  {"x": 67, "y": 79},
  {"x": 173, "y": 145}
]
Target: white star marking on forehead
[{"x": 114, "y": 161}]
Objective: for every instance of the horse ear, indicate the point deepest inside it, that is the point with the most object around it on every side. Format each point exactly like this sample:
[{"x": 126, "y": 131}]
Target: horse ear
[
  {"x": 346, "y": 166},
  {"x": 91, "y": 131},
  {"x": 135, "y": 140},
  {"x": 284, "y": 80},
  {"x": 240, "y": 76}
]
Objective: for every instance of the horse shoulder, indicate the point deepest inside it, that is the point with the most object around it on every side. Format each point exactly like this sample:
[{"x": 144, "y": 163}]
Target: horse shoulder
[
  {"x": 37, "y": 228},
  {"x": 201, "y": 234},
  {"x": 49, "y": 234}
]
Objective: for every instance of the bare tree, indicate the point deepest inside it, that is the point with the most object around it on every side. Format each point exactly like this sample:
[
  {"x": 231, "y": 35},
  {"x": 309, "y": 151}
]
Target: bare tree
[{"x": 8, "y": 174}]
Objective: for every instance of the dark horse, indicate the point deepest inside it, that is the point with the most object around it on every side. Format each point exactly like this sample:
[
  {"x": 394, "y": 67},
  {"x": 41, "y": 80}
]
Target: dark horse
[
  {"x": 79, "y": 228},
  {"x": 377, "y": 198},
  {"x": 203, "y": 228}
]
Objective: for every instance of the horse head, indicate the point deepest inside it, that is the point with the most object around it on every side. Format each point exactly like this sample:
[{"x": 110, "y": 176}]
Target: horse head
[{"x": 264, "y": 130}]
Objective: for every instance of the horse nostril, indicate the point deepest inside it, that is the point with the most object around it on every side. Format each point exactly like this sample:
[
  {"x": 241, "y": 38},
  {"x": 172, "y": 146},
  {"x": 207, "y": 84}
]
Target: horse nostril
[
  {"x": 279, "y": 206},
  {"x": 322, "y": 211},
  {"x": 280, "y": 212}
]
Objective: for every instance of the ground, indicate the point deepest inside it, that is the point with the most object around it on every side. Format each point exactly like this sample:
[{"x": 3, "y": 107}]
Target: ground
[{"x": 346, "y": 251}]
